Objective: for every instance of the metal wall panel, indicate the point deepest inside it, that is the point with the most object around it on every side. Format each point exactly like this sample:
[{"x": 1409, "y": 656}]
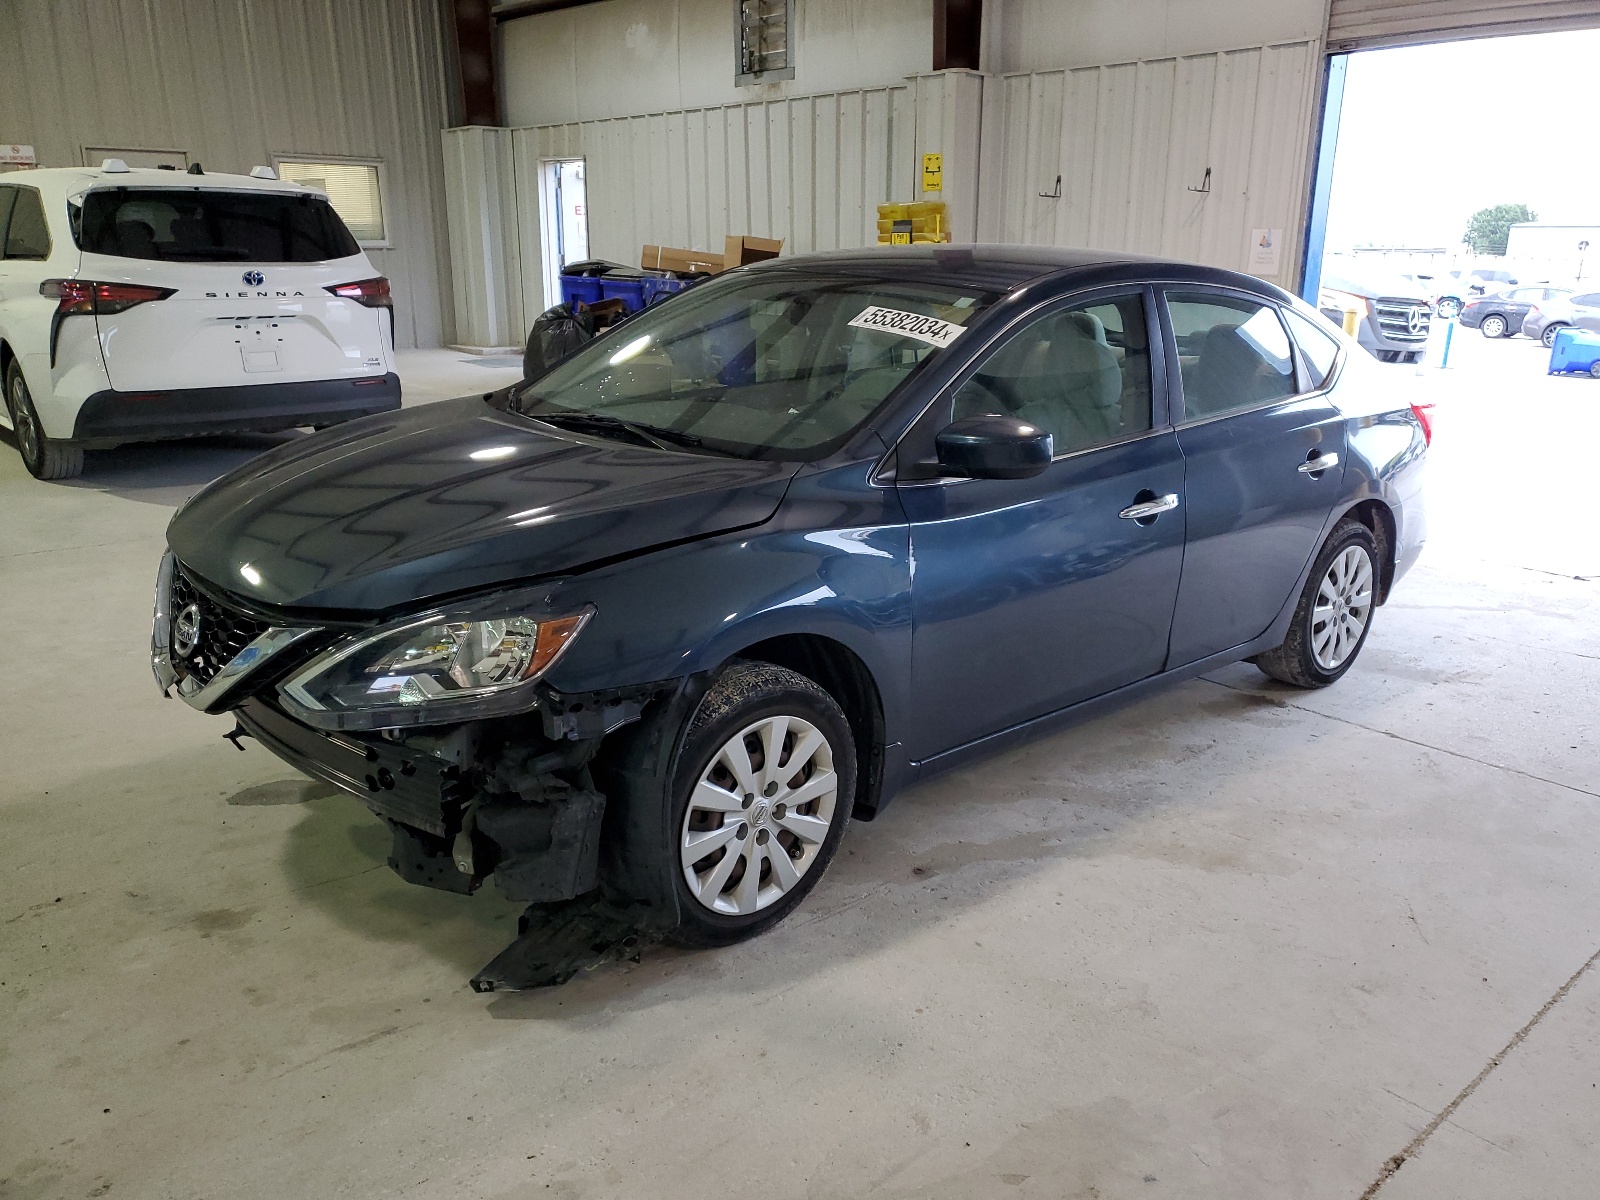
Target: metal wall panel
[
  {"x": 1364, "y": 24},
  {"x": 1130, "y": 140},
  {"x": 233, "y": 83},
  {"x": 810, "y": 170}
]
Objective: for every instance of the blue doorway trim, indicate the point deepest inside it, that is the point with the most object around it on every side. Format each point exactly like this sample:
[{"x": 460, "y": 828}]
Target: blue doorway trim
[{"x": 1322, "y": 182}]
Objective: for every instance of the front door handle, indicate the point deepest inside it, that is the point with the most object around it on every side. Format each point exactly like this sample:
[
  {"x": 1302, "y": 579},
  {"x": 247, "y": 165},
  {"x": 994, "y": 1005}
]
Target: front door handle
[
  {"x": 1149, "y": 510},
  {"x": 1315, "y": 466}
]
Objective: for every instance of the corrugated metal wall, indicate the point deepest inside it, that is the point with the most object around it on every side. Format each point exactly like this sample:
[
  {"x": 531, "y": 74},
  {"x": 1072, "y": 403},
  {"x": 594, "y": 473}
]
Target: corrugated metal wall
[
  {"x": 233, "y": 82},
  {"x": 811, "y": 171},
  {"x": 1130, "y": 140}
]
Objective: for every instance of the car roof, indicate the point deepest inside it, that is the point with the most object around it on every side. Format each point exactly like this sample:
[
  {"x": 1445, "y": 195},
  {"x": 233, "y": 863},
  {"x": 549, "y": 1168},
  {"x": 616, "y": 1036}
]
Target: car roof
[
  {"x": 1004, "y": 267},
  {"x": 74, "y": 180}
]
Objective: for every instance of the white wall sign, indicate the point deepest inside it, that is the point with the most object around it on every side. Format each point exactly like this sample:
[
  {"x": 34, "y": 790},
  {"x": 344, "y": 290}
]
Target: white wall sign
[
  {"x": 1265, "y": 251},
  {"x": 17, "y": 156}
]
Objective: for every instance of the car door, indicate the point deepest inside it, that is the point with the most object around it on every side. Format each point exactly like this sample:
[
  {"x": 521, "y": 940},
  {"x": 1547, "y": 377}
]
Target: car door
[
  {"x": 1029, "y": 595},
  {"x": 24, "y": 259},
  {"x": 1264, "y": 459}
]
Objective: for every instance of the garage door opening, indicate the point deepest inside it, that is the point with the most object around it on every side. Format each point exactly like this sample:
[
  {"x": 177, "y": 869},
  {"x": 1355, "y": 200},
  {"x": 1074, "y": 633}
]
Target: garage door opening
[{"x": 1452, "y": 171}]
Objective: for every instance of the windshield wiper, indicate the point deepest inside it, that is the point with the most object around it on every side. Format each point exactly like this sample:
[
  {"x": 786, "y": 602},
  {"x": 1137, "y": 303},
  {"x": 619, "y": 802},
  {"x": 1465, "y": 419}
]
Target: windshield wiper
[{"x": 661, "y": 439}]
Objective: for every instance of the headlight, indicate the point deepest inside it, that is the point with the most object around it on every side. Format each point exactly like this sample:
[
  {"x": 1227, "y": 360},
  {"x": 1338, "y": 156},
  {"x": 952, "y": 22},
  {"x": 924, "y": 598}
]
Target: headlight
[{"x": 430, "y": 670}]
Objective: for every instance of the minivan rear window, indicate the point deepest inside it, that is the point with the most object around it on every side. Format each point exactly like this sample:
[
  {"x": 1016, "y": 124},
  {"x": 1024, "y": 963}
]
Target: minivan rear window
[{"x": 195, "y": 225}]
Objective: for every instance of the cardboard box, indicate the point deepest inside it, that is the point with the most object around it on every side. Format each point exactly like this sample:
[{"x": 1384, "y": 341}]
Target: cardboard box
[
  {"x": 740, "y": 251},
  {"x": 736, "y": 252},
  {"x": 692, "y": 262}
]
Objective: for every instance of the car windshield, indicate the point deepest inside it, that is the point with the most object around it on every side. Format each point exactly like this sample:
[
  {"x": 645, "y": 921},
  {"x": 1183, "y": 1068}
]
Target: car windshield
[
  {"x": 775, "y": 364},
  {"x": 193, "y": 225}
]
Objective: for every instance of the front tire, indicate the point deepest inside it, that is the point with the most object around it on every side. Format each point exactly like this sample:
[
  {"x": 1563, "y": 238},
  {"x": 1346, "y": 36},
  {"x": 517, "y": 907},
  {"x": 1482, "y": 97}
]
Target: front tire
[
  {"x": 1334, "y": 615},
  {"x": 1449, "y": 306},
  {"x": 1494, "y": 326},
  {"x": 44, "y": 457},
  {"x": 765, "y": 781}
]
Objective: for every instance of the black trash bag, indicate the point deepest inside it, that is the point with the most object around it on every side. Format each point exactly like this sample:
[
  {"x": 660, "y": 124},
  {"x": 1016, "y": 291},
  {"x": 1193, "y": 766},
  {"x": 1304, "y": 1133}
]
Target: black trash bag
[{"x": 557, "y": 333}]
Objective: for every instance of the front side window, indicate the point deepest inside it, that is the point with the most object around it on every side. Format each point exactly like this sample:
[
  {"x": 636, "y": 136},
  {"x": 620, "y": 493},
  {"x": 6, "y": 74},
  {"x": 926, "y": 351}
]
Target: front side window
[
  {"x": 1233, "y": 353},
  {"x": 782, "y": 365},
  {"x": 27, "y": 235},
  {"x": 1081, "y": 373},
  {"x": 195, "y": 225}
]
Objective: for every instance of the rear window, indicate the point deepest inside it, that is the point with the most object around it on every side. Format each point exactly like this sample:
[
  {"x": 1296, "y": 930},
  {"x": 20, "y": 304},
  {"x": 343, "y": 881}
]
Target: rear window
[{"x": 182, "y": 225}]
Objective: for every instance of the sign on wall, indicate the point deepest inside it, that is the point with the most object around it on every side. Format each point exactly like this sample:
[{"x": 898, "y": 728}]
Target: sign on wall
[
  {"x": 17, "y": 156},
  {"x": 1266, "y": 254},
  {"x": 933, "y": 172}
]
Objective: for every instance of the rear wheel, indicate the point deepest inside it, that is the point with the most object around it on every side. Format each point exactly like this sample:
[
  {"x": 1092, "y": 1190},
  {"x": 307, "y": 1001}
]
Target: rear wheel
[
  {"x": 1333, "y": 616},
  {"x": 1449, "y": 306},
  {"x": 1494, "y": 326},
  {"x": 1548, "y": 337},
  {"x": 1594, "y": 369},
  {"x": 44, "y": 457},
  {"x": 761, "y": 799}
]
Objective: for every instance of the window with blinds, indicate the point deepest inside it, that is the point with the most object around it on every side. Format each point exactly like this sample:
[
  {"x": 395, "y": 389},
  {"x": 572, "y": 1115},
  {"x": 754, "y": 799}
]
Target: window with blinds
[
  {"x": 765, "y": 51},
  {"x": 352, "y": 189}
]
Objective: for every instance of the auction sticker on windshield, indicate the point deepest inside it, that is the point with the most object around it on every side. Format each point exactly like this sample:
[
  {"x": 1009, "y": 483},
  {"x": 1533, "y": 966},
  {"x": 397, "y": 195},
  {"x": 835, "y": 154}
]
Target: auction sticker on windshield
[{"x": 913, "y": 325}]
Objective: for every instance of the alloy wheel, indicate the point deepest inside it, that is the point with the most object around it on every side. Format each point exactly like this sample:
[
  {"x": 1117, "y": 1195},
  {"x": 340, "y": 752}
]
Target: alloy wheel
[
  {"x": 1343, "y": 607},
  {"x": 22, "y": 421},
  {"x": 1494, "y": 327},
  {"x": 759, "y": 815}
]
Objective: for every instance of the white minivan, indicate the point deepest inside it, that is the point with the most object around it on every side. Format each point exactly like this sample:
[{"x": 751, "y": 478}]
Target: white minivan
[{"x": 138, "y": 305}]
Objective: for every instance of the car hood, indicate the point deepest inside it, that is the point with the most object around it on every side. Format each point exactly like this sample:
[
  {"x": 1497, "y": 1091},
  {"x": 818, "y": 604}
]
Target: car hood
[{"x": 394, "y": 510}]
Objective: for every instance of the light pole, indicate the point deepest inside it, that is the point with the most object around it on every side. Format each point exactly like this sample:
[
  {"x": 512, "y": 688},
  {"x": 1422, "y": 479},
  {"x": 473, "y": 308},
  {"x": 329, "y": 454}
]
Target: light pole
[{"x": 1582, "y": 247}]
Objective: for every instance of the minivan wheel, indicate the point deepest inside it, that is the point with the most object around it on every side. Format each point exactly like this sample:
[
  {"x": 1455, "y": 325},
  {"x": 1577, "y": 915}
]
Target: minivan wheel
[
  {"x": 44, "y": 457},
  {"x": 1494, "y": 326},
  {"x": 765, "y": 782},
  {"x": 1548, "y": 337},
  {"x": 1333, "y": 616}
]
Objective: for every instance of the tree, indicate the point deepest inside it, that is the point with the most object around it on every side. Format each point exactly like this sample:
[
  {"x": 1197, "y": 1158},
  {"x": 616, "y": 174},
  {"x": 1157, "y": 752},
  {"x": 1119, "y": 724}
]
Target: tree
[{"x": 1490, "y": 228}]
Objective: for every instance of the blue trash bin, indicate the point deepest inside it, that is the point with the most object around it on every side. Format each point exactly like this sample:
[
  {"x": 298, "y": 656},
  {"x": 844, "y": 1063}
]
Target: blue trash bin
[{"x": 1575, "y": 351}]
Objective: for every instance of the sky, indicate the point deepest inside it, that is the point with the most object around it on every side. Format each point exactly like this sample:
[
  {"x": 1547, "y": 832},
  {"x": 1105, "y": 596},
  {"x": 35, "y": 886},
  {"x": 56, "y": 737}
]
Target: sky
[{"x": 1431, "y": 134}]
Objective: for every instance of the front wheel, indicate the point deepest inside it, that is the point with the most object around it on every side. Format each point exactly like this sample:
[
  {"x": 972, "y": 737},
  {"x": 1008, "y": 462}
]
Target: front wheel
[
  {"x": 765, "y": 781},
  {"x": 1548, "y": 337},
  {"x": 1449, "y": 306},
  {"x": 1494, "y": 326},
  {"x": 44, "y": 457},
  {"x": 1333, "y": 616}
]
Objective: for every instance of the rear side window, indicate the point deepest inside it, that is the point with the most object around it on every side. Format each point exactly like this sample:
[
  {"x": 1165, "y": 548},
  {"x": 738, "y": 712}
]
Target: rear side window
[
  {"x": 181, "y": 225},
  {"x": 1233, "y": 352},
  {"x": 1587, "y": 298},
  {"x": 27, "y": 235},
  {"x": 1318, "y": 348}
]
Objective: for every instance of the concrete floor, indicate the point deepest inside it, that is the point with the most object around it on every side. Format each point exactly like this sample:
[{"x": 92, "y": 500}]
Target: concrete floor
[{"x": 1237, "y": 941}]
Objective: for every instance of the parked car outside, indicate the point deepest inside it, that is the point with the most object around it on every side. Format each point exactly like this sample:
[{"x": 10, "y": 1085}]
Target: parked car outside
[
  {"x": 1549, "y": 317},
  {"x": 649, "y": 623},
  {"x": 1501, "y": 315},
  {"x": 1393, "y": 314},
  {"x": 1452, "y": 292},
  {"x": 139, "y": 305}
]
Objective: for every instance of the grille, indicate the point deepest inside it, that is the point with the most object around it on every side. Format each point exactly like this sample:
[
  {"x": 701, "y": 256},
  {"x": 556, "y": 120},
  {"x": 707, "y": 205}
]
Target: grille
[
  {"x": 224, "y": 631},
  {"x": 1394, "y": 319}
]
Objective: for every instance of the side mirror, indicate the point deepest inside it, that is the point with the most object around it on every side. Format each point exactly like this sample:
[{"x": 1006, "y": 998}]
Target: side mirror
[{"x": 993, "y": 447}]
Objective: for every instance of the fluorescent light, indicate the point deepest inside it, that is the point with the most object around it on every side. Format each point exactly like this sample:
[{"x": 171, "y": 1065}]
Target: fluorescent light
[{"x": 632, "y": 350}]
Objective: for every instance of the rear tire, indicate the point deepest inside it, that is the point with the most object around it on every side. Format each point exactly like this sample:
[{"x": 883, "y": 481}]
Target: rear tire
[
  {"x": 1494, "y": 326},
  {"x": 1548, "y": 338},
  {"x": 1594, "y": 369},
  {"x": 1449, "y": 307},
  {"x": 730, "y": 815},
  {"x": 1332, "y": 619},
  {"x": 45, "y": 458}
]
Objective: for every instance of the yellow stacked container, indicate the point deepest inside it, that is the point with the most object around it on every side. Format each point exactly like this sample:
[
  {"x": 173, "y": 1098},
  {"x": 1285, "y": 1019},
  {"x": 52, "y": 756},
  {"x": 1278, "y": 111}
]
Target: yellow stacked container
[{"x": 926, "y": 218}]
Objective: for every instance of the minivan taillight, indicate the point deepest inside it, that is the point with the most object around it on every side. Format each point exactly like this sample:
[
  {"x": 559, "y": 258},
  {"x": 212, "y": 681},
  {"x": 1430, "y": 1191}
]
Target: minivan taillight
[
  {"x": 1424, "y": 414},
  {"x": 86, "y": 297},
  {"x": 374, "y": 293}
]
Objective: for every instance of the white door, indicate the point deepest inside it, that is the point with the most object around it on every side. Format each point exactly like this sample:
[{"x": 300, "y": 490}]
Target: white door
[{"x": 564, "y": 228}]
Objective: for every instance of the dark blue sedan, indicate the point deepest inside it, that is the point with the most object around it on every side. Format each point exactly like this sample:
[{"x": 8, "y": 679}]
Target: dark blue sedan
[{"x": 654, "y": 625}]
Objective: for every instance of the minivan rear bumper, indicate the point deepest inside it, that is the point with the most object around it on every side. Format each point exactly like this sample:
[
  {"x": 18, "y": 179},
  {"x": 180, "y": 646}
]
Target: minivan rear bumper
[{"x": 109, "y": 418}]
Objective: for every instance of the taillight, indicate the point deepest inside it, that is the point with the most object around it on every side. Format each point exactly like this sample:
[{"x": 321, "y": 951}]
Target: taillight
[
  {"x": 85, "y": 296},
  {"x": 374, "y": 293},
  {"x": 1425, "y": 419}
]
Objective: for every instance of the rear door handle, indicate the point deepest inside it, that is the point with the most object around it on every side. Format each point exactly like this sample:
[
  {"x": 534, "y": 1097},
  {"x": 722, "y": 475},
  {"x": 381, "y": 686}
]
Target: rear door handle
[
  {"x": 1147, "y": 510},
  {"x": 1315, "y": 466}
]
